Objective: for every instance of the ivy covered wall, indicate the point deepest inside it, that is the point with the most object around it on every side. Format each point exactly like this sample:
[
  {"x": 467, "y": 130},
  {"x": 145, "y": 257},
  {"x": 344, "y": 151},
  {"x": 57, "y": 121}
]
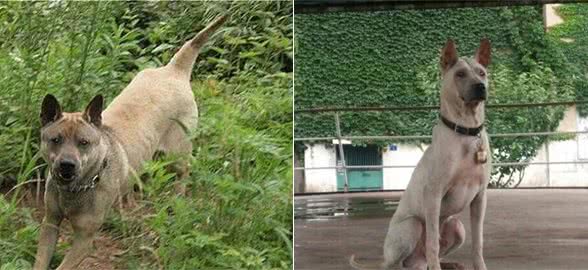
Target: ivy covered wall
[
  {"x": 573, "y": 37},
  {"x": 390, "y": 58}
]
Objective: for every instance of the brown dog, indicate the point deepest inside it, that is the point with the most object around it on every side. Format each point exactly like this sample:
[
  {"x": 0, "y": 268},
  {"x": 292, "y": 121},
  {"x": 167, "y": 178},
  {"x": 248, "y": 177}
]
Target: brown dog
[{"x": 92, "y": 154}]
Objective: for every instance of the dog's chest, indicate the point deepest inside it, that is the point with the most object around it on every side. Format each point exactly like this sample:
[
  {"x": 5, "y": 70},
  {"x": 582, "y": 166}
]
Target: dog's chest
[
  {"x": 72, "y": 204},
  {"x": 457, "y": 198},
  {"x": 464, "y": 185}
]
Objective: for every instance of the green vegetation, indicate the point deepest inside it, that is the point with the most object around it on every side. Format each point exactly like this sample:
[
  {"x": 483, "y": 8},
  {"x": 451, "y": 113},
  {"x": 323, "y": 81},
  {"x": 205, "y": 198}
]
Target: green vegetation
[
  {"x": 572, "y": 37},
  {"x": 238, "y": 211},
  {"x": 390, "y": 58}
]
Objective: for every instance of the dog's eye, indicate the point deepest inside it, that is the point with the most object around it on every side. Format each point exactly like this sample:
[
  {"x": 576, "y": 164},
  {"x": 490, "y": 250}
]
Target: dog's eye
[
  {"x": 84, "y": 142},
  {"x": 460, "y": 74},
  {"x": 482, "y": 73},
  {"x": 56, "y": 140}
]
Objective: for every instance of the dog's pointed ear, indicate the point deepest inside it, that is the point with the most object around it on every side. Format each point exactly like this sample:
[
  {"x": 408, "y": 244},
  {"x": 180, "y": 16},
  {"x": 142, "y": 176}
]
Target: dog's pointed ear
[
  {"x": 449, "y": 55},
  {"x": 93, "y": 112},
  {"x": 50, "y": 110},
  {"x": 483, "y": 53}
]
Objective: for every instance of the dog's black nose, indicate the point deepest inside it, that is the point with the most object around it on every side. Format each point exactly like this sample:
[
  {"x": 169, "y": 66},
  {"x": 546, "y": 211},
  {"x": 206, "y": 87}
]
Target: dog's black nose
[
  {"x": 67, "y": 169},
  {"x": 480, "y": 90}
]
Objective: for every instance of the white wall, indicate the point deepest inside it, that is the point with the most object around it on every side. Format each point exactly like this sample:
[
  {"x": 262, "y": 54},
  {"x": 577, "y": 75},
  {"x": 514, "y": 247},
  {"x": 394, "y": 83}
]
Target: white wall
[
  {"x": 321, "y": 180},
  {"x": 398, "y": 178},
  {"x": 562, "y": 175}
]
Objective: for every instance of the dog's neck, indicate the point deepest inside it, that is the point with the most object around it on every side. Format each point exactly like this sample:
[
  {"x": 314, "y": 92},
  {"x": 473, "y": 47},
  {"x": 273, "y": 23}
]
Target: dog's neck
[{"x": 466, "y": 115}]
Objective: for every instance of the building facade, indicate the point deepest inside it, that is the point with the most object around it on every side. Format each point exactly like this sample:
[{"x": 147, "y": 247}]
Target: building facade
[{"x": 322, "y": 155}]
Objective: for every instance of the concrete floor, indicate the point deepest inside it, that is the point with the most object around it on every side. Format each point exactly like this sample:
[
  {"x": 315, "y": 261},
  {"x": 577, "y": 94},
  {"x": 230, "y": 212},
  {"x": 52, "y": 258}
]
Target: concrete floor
[{"x": 524, "y": 229}]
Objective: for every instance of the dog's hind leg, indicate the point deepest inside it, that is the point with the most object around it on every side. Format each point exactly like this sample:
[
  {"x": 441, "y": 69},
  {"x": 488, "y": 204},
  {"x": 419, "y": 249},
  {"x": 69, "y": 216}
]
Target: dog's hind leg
[
  {"x": 451, "y": 238},
  {"x": 417, "y": 259},
  {"x": 401, "y": 242},
  {"x": 181, "y": 166},
  {"x": 176, "y": 142}
]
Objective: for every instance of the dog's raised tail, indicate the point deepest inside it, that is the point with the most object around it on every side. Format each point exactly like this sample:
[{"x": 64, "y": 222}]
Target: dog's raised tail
[
  {"x": 184, "y": 59},
  {"x": 359, "y": 266}
]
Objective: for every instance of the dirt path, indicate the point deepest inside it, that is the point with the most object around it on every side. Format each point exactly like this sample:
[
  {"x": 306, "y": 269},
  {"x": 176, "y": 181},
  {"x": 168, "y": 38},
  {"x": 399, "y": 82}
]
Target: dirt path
[{"x": 103, "y": 256}]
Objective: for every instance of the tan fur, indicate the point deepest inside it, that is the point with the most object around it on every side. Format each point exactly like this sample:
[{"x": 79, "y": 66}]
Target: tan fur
[
  {"x": 447, "y": 179},
  {"x": 112, "y": 146}
]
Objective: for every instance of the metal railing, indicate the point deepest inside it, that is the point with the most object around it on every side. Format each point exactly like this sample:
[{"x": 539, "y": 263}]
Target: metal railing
[{"x": 339, "y": 137}]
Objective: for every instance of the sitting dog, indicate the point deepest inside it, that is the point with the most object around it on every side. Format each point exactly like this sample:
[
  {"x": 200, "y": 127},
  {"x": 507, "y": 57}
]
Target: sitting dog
[
  {"x": 92, "y": 154},
  {"x": 452, "y": 174}
]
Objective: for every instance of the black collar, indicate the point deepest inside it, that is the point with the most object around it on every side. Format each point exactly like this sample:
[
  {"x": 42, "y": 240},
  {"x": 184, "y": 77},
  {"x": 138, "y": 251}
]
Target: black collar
[
  {"x": 86, "y": 187},
  {"x": 461, "y": 130}
]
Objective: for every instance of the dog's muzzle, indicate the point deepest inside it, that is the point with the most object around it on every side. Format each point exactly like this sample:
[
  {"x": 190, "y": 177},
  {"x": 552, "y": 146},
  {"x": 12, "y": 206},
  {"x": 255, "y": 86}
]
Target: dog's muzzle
[
  {"x": 479, "y": 91},
  {"x": 66, "y": 170}
]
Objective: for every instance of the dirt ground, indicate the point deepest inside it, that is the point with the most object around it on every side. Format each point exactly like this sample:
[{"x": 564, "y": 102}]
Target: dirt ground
[
  {"x": 106, "y": 248},
  {"x": 104, "y": 254},
  {"x": 524, "y": 229}
]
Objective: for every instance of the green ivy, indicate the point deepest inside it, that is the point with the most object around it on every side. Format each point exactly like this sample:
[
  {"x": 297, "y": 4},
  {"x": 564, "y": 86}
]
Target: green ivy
[
  {"x": 390, "y": 58},
  {"x": 575, "y": 29}
]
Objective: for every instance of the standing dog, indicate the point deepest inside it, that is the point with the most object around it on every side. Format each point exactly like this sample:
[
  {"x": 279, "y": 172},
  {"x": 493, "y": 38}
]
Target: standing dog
[
  {"x": 452, "y": 174},
  {"x": 92, "y": 154}
]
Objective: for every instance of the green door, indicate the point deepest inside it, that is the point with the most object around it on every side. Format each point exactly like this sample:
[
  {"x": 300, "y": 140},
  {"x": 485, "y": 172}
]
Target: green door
[{"x": 361, "y": 179}]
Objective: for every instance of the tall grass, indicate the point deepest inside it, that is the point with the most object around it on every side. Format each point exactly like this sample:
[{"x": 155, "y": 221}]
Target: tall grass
[{"x": 237, "y": 211}]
